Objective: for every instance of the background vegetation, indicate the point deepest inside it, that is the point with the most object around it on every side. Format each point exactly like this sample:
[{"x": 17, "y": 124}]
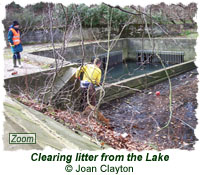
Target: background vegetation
[{"x": 177, "y": 19}]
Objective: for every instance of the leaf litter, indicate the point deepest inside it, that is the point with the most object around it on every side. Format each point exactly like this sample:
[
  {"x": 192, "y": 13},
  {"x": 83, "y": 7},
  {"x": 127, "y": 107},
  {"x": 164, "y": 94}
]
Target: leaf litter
[{"x": 135, "y": 120}]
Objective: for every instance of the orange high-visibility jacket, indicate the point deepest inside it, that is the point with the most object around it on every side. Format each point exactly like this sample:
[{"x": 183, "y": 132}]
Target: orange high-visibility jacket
[{"x": 16, "y": 37}]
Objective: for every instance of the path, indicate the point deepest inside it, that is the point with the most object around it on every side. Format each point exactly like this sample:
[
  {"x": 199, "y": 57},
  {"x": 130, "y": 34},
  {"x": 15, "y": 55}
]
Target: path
[{"x": 29, "y": 67}]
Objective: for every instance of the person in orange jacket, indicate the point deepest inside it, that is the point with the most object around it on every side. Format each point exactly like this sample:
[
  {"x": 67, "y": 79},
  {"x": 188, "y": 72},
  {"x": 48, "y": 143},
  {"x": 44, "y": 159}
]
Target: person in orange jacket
[{"x": 15, "y": 43}]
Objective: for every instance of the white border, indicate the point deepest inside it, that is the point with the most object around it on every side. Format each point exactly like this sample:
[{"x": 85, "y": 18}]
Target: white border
[{"x": 19, "y": 162}]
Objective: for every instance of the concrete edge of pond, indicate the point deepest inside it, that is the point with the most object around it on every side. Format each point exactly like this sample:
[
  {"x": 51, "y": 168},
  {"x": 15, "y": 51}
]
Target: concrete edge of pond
[
  {"x": 118, "y": 89},
  {"x": 43, "y": 71},
  {"x": 48, "y": 131},
  {"x": 128, "y": 46}
]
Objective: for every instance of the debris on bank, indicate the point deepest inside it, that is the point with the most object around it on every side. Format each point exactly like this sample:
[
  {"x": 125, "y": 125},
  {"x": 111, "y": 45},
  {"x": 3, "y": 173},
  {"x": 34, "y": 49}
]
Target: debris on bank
[{"x": 136, "y": 120}]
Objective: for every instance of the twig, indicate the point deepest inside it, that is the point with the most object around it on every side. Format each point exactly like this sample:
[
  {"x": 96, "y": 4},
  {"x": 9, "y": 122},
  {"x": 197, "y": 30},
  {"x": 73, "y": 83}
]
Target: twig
[
  {"x": 124, "y": 87},
  {"x": 169, "y": 80}
]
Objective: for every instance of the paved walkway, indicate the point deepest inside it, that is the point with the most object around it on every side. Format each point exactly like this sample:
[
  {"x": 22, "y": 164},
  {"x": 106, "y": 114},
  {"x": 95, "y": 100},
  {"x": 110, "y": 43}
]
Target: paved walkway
[{"x": 26, "y": 69}]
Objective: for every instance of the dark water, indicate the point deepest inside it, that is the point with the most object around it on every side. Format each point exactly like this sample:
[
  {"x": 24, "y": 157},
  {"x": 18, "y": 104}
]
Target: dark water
[{"x": 130, "y": 69}]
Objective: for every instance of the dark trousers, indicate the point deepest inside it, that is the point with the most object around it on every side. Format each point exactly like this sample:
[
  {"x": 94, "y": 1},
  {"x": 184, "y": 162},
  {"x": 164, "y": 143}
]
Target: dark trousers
[
  {"x": 16, "y": 56},
  {"x": 92, "y": 96}
]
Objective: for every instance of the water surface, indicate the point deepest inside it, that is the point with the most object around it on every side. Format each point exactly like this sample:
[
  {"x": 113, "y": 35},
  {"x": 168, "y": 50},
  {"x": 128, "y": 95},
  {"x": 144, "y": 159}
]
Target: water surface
[{"x": 129, "y": 69}]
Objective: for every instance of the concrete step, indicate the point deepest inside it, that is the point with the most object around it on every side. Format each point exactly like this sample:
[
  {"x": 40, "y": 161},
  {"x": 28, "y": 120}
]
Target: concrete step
[{"x": 48, "y": 131}]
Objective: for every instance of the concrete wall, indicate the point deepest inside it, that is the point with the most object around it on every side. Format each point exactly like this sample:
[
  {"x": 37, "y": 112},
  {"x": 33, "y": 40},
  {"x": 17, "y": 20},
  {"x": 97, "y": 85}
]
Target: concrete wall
[
  {"x": 43, "y": 36},
  {"x": 128, "y": 48},
  {"x": 163, "y": 44},
  {"x": 49, "y": 132},
  {"x": 37, "y": 82},
  {"x": 117, "y": 90},
  {"x": 75, "y": 54}
]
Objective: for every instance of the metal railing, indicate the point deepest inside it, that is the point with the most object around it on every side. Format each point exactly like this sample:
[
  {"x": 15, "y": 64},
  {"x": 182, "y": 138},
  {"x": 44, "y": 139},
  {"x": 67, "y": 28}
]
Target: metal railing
[{"x": 171, "y": 57}]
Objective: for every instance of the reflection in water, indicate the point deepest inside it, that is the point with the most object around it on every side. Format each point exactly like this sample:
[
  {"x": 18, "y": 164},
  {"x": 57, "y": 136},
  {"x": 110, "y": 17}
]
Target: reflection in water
[{"x": 130, "y": 69}]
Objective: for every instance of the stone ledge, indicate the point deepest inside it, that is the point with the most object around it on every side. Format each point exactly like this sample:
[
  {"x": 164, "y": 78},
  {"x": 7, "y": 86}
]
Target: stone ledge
[{"x": 48, "y": 131}]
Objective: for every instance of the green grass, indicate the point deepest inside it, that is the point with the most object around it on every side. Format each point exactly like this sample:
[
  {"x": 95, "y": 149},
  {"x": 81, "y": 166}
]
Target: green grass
[
  {"x": 192, "y": 35},
  {"x": 45, "y": 66},
  {"x": 7, "y": 54},
  {"x": 186, "y": 32},
  {"x": 189, "y": 34}
]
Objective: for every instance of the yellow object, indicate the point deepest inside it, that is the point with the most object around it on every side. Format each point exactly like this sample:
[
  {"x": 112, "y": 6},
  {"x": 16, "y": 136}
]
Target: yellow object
[
  {"x": 92, "y": 73},
  {"x": 12, "y": 45}
]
